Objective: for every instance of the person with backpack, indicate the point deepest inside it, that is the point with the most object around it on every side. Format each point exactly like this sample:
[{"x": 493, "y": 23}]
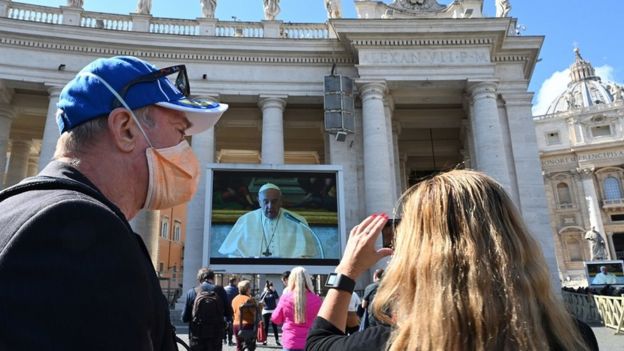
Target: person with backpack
[
  {"x": 122, "y": 128},
  {"x": 269, "y": 301},
  {"x": 206, "y": 310}
]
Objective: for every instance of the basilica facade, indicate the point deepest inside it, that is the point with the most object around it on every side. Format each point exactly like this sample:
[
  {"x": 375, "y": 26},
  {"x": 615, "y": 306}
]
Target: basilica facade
[
  {"x": 580, "y": 142},
  {"x": 436, "y": 86}
]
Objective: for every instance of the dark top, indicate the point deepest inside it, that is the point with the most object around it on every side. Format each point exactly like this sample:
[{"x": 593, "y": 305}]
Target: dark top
[
  {"x": 369, "y": 295},
  {"x": 192, "y": 294},
  {"x": 231, "y": 291},
  {"x": 324, "y": 336},
  {"x": 73, "y": 275}
]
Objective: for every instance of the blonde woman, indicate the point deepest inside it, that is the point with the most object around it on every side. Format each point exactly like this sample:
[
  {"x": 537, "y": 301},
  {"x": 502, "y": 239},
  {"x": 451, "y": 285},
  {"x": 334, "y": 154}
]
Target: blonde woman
[
  {"x": 465, "y": 275},
  {"x": 296, "y": 310}
]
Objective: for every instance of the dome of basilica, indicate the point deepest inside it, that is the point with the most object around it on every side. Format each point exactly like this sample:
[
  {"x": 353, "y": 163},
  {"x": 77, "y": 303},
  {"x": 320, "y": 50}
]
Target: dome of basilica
[{"x": 585, "y": 89}]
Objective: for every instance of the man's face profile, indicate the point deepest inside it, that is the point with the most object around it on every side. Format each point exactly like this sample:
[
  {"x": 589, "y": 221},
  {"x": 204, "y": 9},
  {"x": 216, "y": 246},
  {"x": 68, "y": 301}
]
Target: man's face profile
[{"x": 270, "y": 202}]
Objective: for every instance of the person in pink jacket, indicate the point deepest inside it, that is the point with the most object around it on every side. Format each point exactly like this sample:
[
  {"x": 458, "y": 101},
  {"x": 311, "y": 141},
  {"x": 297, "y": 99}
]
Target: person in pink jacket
[{"x": 296, "y": 310}]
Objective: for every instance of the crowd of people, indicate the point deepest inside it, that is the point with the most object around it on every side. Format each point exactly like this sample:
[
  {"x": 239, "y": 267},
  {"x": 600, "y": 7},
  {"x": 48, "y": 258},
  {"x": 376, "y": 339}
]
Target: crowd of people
[{"x": 465, "y": 274}]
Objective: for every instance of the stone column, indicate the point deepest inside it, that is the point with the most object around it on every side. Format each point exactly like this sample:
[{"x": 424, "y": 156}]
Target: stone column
[
  {"x": 530, "y": 197},
  {"x": 272, "y": 128},
  {"x": 6, "y": 118},
  {"x": 18, "y": 163},
  {"x": 489, "y": 139},
  {"x": 592, "y": 201},
  {"x": 377, "y": 144},
  {"x": 392, "y": 162},
  {"x": 33, "y": 165},
  {"x": 50, "y": 131},
  {"x": 204, "y": 147},
  {"x": 147, "y": 225},
  {"x": 344, "y": 153},
  {"x": 396, "y": 131}
]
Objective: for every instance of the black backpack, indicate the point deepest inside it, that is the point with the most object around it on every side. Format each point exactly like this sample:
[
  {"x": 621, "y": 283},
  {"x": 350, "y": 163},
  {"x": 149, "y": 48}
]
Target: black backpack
[{"x": 207, "y": 316}]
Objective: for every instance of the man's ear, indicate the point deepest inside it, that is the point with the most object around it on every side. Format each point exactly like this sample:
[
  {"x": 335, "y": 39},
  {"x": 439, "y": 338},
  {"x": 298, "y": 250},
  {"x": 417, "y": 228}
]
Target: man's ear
[{"x": 123, "y": 129}]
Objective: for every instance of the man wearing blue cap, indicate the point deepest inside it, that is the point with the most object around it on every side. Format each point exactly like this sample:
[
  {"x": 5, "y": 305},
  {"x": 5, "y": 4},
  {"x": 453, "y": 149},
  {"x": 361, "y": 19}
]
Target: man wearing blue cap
[{"x": 73, "y": 275}]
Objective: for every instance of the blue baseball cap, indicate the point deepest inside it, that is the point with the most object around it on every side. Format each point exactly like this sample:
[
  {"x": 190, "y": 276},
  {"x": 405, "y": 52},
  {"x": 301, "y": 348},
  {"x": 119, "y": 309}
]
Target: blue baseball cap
[{"x": 96, "y": 89}]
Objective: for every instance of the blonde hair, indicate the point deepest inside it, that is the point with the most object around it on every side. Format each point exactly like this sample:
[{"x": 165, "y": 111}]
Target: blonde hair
[
  {"x": 299, "y": 282},
  {"x": 244, "y": 286},
  {"x": 467, "y": 275}
]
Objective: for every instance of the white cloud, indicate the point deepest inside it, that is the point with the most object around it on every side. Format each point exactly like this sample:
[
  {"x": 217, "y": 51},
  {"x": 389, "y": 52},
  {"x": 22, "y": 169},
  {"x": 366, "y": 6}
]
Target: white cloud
[
  {"x": 550, "y": 90},
  {"x": 606, "y": 73}
]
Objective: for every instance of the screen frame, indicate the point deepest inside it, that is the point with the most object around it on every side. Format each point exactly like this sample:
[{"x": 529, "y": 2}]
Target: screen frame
[
  {"x": 281, "y": 265},
  {"x": 600, "y": 263}
]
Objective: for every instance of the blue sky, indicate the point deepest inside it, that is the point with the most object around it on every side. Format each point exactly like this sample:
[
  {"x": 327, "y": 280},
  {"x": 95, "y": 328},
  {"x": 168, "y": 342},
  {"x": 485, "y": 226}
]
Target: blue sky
[{"x": 591, "y": 25}]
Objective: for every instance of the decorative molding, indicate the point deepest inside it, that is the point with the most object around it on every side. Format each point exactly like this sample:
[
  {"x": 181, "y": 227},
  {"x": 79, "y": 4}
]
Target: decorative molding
[
  {"x": 171, "y": 55},
  {"x": 423, "y": 42}
]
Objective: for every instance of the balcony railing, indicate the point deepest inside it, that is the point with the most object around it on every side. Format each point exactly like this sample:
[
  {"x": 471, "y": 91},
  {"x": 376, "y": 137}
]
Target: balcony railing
[
  {"x": 140, "y": 23},
  {"x": 613, "y": 202}
]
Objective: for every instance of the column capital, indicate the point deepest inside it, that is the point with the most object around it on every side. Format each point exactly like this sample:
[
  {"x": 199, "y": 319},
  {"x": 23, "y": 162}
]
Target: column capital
[
  {"x": 275, "y": 101},
  {"x": 372, "y": 90},
  {"x": 586, "y": 172},
  {"x": 517, "y": 98},
  {"x": 482, "y": 90},
  {"x": 54, "y": 90}
]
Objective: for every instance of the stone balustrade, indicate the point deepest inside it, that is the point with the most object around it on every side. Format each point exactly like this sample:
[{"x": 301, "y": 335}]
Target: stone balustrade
[
  {"x": 305, "y": 31},
  {"x": 239, "y": 29},
  {"x": 106, "y": 21},
  {"x": 34, "y": 13},
  {"x": 173, "y": 26},
  {"x": 132, "y": 22}
]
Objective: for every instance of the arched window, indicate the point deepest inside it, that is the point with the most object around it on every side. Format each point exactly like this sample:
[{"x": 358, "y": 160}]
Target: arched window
[
  {"x": 563, "y": 193},
  {"x": 612, "y": 189}
]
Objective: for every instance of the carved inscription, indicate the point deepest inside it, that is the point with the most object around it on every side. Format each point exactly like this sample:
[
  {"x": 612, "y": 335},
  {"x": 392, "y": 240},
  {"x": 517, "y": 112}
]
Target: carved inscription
[
  {"x": 425, "y": 57},
  {"x": 560, "y": 161},
  {"x": 601, "y": 155}
]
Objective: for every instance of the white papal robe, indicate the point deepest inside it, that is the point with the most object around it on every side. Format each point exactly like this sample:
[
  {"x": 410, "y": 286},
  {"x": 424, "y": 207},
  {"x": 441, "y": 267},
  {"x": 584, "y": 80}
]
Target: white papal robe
[{"x": 286, "y": 236}]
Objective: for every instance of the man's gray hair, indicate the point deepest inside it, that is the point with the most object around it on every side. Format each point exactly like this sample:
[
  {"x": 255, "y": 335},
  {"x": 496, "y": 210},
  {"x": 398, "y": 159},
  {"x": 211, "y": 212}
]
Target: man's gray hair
[{"x": 76, "y": 140}]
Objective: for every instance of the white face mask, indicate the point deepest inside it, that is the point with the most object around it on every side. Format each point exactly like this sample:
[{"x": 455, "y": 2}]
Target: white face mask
[{"x": 173, "y": 172}]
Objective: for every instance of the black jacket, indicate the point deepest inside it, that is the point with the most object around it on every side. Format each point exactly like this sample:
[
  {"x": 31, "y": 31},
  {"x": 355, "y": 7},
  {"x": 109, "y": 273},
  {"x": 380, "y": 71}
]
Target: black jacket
[{"x": 73, "y": 275}]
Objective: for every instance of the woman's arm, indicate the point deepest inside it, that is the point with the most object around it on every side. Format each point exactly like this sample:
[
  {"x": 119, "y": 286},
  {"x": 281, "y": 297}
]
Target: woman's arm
[{"x": 360, "y": 254}]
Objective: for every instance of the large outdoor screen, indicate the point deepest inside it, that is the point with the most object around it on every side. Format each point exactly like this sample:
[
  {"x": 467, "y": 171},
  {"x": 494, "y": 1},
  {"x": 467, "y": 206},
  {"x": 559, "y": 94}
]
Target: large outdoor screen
[
  {"x": 605, "y": 272},
  {"x": 273, "y": 217}
]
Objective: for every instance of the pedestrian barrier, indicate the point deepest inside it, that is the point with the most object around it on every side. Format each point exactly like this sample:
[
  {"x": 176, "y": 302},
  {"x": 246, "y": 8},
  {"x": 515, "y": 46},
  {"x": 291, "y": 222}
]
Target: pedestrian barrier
[{"x": 590, "y": 308}]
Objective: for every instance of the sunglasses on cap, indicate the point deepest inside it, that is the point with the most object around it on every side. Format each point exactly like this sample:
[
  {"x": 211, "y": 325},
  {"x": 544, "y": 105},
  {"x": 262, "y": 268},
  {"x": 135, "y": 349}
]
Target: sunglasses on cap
[{"x": 181, "y": 81}]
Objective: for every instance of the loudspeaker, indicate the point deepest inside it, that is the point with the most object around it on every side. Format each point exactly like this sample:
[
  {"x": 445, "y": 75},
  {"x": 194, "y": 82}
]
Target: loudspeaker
[{"x": 339, "y": 106}]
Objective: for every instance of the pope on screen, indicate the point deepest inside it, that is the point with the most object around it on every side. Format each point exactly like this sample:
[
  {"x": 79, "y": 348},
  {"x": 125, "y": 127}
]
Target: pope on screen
[{"x": 271, "y": 231}]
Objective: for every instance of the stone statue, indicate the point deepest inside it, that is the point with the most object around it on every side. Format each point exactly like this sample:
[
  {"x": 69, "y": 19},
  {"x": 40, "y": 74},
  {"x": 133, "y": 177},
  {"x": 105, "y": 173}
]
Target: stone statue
[
  {"x": 333, "y": 8},
  {"x": 75, "y": 3},
  {"x": 208, "y": 8},
  {"x": 144, "y": 7},
  {"x": 502, "y": 8},
  {"x": 271, "y": 9},
  {"x": 597, "y": 245},
  {"x": 616, "y": 91}
]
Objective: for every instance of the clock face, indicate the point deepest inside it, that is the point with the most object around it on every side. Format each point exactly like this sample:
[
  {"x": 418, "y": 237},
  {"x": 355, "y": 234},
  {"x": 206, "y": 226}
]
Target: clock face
[{"x": 332, "y": 279}]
